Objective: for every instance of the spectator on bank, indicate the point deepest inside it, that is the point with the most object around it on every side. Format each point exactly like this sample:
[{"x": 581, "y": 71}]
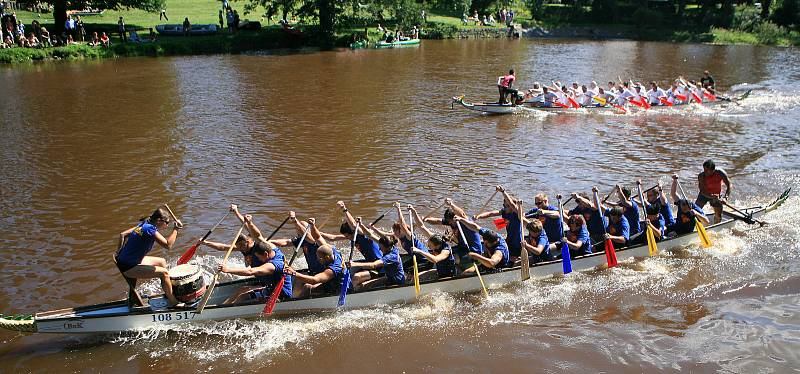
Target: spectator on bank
[
  {"x": 95, "y": 40},
  {"x": 121, "y": 24},
  {"x": 37, "y": 28},
  {"x": 187, "y": 26},
  {"x": 4, "y": 43},
  {"x": 69, "y": 25},
  {"x": 235, "y": 21},
  {"x": 163, "y": 14},
  {"x": 45, "y": 38},
  {"x": 71, "y": 40},
  {"x": 229, "y": 19},
  {"x": 33, "y": 41},
  {"x": 104, "y": 40},
  {"x": 135, "y": 37},
  {"x": 80, "y": 30},
  {"x": 221, "y": 21}
]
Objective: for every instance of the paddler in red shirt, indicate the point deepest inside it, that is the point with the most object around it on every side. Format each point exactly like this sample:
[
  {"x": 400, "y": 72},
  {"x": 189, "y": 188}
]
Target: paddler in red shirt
[
  {"x": 709, "y": 182},
  {"x": 504, "y": 86}
]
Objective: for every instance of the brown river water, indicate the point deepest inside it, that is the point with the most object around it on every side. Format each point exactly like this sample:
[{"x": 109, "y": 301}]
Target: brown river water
[{"x": 89, "y": 147}]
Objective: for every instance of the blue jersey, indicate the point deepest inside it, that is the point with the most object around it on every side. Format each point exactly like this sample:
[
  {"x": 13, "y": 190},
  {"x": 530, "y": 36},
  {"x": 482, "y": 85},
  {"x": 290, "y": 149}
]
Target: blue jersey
[
  {"x": 337, "y": 267},
  {"x": 552, "y": 226},
  {"x": 621, "y": 228},
  {"x": 684, "y": 222},
  {"x": 473, "y": 239},
  {"x": 660, "y": 225},
  {"x": 501, "y": 246},
  {"x": 272, "y": 280},
  {"x": 368, "y": 248},
  {"x": 595, "y": 223},
  {"x": 543, "y": 241},
  {"x": 406, "y": 244},
  {"x": 583, "y": 236},
  {"x": 310, "y": 251},
  {"x": 632, "y": 214},
  {"x": 446, "y": 267},
  {"x": 394, "y": 267},
  {"x": 139, "y": 244},
  {"x": 666, "y": 213},
  {"x": 513, "y": 228}
]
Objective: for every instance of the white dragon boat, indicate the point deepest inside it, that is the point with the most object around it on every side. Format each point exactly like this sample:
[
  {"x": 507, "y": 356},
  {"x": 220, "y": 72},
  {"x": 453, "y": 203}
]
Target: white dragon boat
[{"x": 126, "y": 315}]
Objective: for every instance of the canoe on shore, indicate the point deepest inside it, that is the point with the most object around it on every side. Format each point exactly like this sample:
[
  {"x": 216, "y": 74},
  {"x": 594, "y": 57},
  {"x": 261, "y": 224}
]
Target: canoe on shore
[
  {"x": 119, "y": 316},
  {"x": 177, "y": 30},
  {"x": 383, "y": 44}
]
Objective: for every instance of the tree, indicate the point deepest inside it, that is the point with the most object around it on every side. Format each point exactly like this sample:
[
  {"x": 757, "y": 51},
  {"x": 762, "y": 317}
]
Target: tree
[{"x": 60, "y": 7}]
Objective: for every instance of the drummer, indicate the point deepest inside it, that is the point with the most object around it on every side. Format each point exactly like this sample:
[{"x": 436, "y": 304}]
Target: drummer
[{"x": 136, "y": 242}]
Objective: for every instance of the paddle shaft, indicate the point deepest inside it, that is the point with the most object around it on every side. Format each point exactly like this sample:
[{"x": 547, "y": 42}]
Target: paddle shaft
[
  {"x": 278, "y": 228},
  {"x": 213, "y": 284},
  {"x": 186, "y": 256},
  {"x": 300, "y": 244},
  {"x": 488, "y": 201},
  {"x": 434, "y": 211},
  {"x": 381, "y": 216},
  {"x": 353, "y": 244},
  {"x": 525, "y": 270}
]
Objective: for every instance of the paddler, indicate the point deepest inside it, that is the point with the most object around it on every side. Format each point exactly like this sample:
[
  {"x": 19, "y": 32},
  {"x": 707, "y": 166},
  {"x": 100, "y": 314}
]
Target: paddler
[
  {"x": 618, "y": 227},
  {"x": 595, "y": 223},
  {"x": 389, "y": 261},
  {"x": 658, "y": 198},
  {"x": 473, "y": 239},
  {"x": 438, "y": 253},
  {"x": 368, "y": 248},
  {"x": 504, "y": 86},
  {"x": 134, "y": 245},
  {"x": 330, "y": 279},
  {"x": 548, "y": 215},
  {"x": 244, "y": 243},
  {"x": 709, "y": 182},
  {"x": 309, "y": 245},
  {"x": 266, "y": 265},
  {"x": 495, "y": 249},
  {"x": 509, "y": 213},
  {"x": 655, "y": 94},
  {"x": 536, "y": 242},
  {"x": 629, "y": 207},
  {"x": 707, "y": 82},
  {"x": 576, "y": 236},
  {"x": 686, "y": 213}
]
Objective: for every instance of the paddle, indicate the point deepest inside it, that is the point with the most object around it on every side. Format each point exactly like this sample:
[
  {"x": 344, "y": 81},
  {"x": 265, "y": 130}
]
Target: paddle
[
  {"x": 600, "y": 100},
  {"x": 665, "y": 101},
  {"x": 346, "y": 275},
  {"x": 566, "y": 262},
  {"x": 213, "y": 284},
  {"x": 488, "y": 201},
  {"x": 652, "y": 247},
  {"x": 701, "y": 230},
  {"x": 186, "y": 256},
  {"x": 500, "y": 223},
  {"x": 381, "y": 216},
  {"x": 434, "y": 210},
  {"x": 525, "y": 270},
  {"x": 474, "y": 264},
  {"x": 611, "y": 254},
  {"x": 745, "y": 217},
  {"x": 413, "y": 256}
]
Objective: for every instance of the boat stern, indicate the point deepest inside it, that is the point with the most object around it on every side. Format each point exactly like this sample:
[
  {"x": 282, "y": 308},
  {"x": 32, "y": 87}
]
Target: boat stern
[{"x": 21, "y": 323}]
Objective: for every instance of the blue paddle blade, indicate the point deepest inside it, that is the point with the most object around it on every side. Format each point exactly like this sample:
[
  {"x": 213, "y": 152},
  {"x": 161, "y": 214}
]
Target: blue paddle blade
[
  {"x": 345, "y": 286},
  {"x": 566, "y": 261}
]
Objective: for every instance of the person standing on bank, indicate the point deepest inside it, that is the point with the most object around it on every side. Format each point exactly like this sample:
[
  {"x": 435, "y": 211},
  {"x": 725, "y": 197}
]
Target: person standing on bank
[
  {"x": 135, "y": 243},
  {"x": 709, "y": 182}
]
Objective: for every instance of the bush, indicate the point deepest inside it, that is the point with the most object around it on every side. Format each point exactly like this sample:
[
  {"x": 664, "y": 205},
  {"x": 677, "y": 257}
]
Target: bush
[
  {"x": 646, "y": 17},
  {"x": 746, "y": 19},
  {"x": 787, "y": 13},
  {"x": 437, "y": 30},
  {"x": 770, "y": 33}
]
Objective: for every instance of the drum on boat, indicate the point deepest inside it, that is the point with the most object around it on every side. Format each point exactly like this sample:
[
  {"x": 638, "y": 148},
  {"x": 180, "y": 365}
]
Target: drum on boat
[{"x": 188, "y": 283}]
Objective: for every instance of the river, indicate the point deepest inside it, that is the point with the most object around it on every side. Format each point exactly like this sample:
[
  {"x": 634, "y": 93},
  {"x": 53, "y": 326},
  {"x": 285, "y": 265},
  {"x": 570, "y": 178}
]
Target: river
[{"x": 89, "y": 147}]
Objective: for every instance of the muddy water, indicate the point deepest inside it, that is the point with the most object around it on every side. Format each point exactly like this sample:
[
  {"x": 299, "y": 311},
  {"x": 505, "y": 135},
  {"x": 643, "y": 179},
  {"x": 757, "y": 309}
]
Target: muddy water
[{"x": 88, "y": 148}]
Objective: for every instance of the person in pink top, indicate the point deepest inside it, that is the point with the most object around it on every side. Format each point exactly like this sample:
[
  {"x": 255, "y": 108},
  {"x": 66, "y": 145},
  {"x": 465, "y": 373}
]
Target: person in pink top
[{"x": 504, "y": 86}]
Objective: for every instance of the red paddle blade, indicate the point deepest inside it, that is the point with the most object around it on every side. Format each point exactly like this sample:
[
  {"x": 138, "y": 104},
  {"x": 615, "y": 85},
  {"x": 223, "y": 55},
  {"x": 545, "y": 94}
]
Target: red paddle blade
[
  {"x": 710, "y": 96},
  {"x": 636, "y": 102},
  {"x": 620, "y": 107},
  {"x": 186, "y": 256},
  {"x": 664, "y": 101},
  {"x": 273, "y": 298},
  {"x": 500, "y": 223},
  {"x": 681, "y": 97},
  {"x": 561, "y": 104},
  {"x": 697, "y": 98},
  {"x": 611, "y": 254},
  {"x": 573, "y": 102}
]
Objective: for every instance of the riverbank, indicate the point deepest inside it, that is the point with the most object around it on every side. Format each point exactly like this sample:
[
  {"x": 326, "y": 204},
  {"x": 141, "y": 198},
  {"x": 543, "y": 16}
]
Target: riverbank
[{"x": 438, "y": 28}]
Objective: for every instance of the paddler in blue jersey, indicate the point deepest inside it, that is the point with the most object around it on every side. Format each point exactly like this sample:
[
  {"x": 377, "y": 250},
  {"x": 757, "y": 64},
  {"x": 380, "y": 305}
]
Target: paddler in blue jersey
[
  {"x": 495, "y": 249},
  {"x": 389, "y": 261},
  {"x": 630, "y": 207},
  {"x": 438, "y": 251},
  {"x": 618, "y": 228},
  {"x": 548, "y": 215},
  {"x": 509, "y": 213},
  {"x": 473, "y": 239},
  {"x": 594, "y": 221},
  {"x": 366, "y": 246},
  {"x": 134, "y": 245},
  {"x": 329, "y": 281},
  {"x": 309, "y": 245},
  {"x": 686, "y": 213},
  {"x": 266, "y": 265},
  {"x": 536, "y": 242}
]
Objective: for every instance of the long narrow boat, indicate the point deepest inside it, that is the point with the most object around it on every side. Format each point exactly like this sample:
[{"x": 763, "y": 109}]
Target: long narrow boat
[
  {"x": 491, "y": 108},
  {"x": 383, "y": 44},
  {"x": 118, "y": 316},
  {"x": 662, "y": 109}
]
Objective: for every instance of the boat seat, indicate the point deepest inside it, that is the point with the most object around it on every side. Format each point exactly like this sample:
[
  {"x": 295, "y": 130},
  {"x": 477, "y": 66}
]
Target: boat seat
[{"x": 134, "y": 299}]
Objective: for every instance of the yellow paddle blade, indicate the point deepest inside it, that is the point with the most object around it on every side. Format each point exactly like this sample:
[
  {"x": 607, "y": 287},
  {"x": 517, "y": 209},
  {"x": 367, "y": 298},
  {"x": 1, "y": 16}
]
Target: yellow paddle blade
[
  {"x": 701, "y": 231},
  {"x": 651, "y": 242},
  {"x": 416, "y": 276},
  {"x": 485, "y": 292},
  {"x": 599, "y": 99}
]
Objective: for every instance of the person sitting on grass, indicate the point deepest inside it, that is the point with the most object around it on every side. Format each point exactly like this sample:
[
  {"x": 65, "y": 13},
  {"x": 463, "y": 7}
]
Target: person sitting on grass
[
  {"x": 95, "y": 40},
  {"x": 135, "y": 37},
  {"x": 70, "y": 41},
  {"x": 46, "y": 38},
  {"x": 104, "y": 40},
  {"x": 33, "y": 42}
]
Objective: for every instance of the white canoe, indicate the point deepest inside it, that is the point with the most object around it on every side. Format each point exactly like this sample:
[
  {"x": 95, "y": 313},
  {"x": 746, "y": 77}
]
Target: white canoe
[{"x": 117, "y": 316}]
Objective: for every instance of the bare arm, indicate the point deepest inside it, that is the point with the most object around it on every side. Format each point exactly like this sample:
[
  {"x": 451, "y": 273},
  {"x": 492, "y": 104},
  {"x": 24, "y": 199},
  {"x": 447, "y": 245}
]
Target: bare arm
[
  {"x": 377, "y": 264},
  {"x": 535, "y": 249},
  {"x": 216, "y": 245},
  {"x": 366, "y": 231},
  {"x": 727, "y": 181},
  {"x": 420, "y": 222},
  {"x": 468, "y": 224},
  {"x": 508, "y": 199},
  {"x": 323, "y": 277},
  {"x": 581, "y": 199},
  {"x": 347, "y": 216},
  {"x": 456, "y": 209},
  {"x": 443, "y": 255},
  {"x": 489, "y": 262},
  {"x": 403, "y": 227},
  {"x": 673, "y": 191},
  {"x": 168, "y": 241},
  {"x": 625, "y": 202},
  {"x": 265, "y": 269}
]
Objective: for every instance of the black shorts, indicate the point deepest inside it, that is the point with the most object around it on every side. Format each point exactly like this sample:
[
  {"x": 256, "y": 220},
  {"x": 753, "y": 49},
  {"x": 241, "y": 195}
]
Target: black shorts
[
  {"x": 703, "y": 199},
  {"x": 123, "y": 267}
]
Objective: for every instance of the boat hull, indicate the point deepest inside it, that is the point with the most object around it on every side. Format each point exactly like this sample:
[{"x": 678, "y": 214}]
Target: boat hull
[{"x": 397, "y": 44}]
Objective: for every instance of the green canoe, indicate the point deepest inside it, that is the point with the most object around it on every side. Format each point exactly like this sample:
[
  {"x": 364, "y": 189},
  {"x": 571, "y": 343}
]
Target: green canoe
[{"x": 395, "y": 44}]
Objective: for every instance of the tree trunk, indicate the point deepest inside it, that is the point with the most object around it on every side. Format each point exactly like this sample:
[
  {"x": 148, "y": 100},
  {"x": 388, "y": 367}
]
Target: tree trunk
[
  {"x": 327, "y": 10},
  {"x": 59, "y": 15},
  {"x": 681, "y": 8}
]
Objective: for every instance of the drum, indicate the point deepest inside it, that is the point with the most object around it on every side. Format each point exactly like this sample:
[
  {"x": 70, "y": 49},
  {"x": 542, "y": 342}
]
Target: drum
[{"x": 188, "y": 283}]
